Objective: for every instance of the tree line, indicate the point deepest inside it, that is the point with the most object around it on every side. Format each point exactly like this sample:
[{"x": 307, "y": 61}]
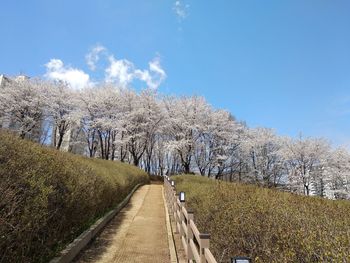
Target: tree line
[{"x": 170, "y": 135}]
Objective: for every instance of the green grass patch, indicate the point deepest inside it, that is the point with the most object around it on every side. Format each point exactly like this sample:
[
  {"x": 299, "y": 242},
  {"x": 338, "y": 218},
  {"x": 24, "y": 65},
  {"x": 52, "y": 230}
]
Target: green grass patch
[
  {"x": 49, "y": 197},
  {"x": 267, "y": 225}
]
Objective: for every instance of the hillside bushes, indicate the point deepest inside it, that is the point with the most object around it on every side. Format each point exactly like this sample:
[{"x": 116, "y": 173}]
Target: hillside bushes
[
  {"x": 48, "y": 197},
  {"x": 268, "y": 225}
]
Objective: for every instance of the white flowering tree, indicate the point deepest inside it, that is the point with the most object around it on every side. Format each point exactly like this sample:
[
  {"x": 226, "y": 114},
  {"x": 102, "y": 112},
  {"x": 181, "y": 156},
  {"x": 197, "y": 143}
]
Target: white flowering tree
[
  {"x": 101, "y": 111},
  {"x": 306, "y": 160},
  {"x": 62, "y": 108},
  {"x": 23, "y": 103},
  {"x": 338, "y": 174},
  {"x": 154, "y": 116},
  {"x": 217, "y": 142},
  {"x": 187, "y": 117},
  {"x": 261, "y": 148}
]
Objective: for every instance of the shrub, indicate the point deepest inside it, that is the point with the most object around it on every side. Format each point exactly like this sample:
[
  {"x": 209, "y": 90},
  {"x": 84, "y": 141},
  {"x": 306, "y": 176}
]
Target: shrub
[
  {"x": 48, "y": 197},
  {"x": 268, "y": 225}
]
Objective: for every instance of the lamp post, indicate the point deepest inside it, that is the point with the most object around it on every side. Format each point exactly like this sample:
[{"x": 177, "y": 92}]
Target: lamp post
[
  {"x": 241, "y": 260},
  {"x": 182, "y": 197}
]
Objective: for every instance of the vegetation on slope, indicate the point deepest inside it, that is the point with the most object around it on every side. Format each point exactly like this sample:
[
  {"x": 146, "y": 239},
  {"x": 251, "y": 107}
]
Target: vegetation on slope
[
  {"x": 48, "y": 197},
  {"x": 268, "y": 225}
]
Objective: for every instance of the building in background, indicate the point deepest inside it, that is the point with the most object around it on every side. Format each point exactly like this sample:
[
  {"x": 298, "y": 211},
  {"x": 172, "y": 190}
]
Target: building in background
[{"x": 73, "y": 140}]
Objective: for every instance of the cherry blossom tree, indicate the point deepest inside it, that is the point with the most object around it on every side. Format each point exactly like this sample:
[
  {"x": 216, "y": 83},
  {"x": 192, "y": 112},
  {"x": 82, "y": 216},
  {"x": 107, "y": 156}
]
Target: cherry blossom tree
[
  {"x": 217, "y": 141},
  {"x": 306, "y": 159},
  {"x": 62, "y": 109},
  {"x": 22, "y": 103},
  {"x": 154, "y": 116},
  {"x": 338, "y": 174},
  {"x": 186, "y": 117},
  {"x": 262, "y": 150},
  {"x": 101, "y": 116}
]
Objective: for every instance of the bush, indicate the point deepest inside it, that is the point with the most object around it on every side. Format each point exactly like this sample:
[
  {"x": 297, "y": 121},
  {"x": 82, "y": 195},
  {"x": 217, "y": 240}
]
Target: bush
[
  {"x": 268, "y": 225},
  {"x": 48, "y": 197}
]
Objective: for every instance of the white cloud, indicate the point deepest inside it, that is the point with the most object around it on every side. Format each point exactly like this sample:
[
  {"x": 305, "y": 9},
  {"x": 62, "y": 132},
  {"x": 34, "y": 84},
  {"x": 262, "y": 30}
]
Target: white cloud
[
  {"x": 180, "y": 9},
  {"x": 93, "y": 56},
  {"x": 123, "y": 72},
  {"x": 76, "y": 78},
  {"x": 120, "y": 71}
]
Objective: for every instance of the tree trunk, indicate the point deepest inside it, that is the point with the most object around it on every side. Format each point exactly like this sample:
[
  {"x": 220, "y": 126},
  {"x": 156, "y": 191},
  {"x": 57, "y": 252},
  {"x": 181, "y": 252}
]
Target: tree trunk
[
  {"x": 307, "y": 190},
  {"x": 186, "y": 168},
  {"x": 101, "y": 145},
  {"x": 60, "y": 140},
  {"x": 136, "y": 161},
  {"x": 22, "y": 135}
]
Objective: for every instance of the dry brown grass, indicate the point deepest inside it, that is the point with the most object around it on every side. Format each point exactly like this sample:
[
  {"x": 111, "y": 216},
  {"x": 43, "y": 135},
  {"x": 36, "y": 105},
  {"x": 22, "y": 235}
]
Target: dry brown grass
[
  {"x": 48, "y": 197},
  {"x": 268, "y": 225}
]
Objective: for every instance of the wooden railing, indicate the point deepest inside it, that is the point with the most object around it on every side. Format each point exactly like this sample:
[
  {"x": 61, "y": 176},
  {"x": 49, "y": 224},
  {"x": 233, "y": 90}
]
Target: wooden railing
[{"x": 195, "y": 243}]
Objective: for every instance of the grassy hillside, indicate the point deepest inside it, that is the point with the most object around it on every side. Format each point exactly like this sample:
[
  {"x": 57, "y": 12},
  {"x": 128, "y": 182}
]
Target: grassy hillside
[
  {"x": 268, "y": 225},
  {"x": 49, "y": 197}
]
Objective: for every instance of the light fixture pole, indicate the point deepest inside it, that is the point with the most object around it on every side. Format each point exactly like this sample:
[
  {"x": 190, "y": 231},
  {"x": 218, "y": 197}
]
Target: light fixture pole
[
  {"x": 241, "y": 260},
  {"x": 182, "y": 197}
]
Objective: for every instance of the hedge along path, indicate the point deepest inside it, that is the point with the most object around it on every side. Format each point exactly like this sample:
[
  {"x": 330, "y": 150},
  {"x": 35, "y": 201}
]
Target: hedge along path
[{"x": 137, "y": 234}]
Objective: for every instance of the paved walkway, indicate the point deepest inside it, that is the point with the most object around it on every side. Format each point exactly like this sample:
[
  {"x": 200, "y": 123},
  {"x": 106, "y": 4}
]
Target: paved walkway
[{"x": 137, "y": 234}]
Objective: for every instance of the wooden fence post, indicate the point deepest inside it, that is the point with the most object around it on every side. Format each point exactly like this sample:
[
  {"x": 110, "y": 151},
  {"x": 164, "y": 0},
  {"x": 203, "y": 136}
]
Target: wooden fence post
[
  {"x": 189, "y": 236},
  {"x": 166, "y": 190},
  {"x": 181, "y": 219},
  {"x": 171, "y": 199},
  {"x": 176, "y": 208},
  {"x": 176, "y": 219},
  {"x": 203, "y": 244}
]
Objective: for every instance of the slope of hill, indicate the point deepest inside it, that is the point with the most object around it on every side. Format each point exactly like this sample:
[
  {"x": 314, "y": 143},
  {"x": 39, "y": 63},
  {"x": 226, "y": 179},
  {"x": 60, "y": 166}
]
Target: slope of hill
[
  {"x": 268, "y": 225},
  {"x": 49, "y": 197}
]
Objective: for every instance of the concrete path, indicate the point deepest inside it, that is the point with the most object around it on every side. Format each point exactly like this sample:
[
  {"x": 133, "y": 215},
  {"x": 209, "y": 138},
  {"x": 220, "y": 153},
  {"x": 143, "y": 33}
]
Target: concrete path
[{"x": 137, "y": 234}]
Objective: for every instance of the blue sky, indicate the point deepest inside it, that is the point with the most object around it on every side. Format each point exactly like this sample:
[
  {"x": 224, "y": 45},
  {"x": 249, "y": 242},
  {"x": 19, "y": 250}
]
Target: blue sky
[{"x": 278, "y": 64}]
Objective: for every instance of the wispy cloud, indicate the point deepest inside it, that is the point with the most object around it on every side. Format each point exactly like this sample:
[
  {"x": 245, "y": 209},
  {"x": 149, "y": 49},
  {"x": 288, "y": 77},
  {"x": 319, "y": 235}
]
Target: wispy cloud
[
  {"x": 93, "y": 56},
  {"x": 76, "y": 78},
  {"x": 154, "y": 76},
  {"x": 181, "y": 9}
]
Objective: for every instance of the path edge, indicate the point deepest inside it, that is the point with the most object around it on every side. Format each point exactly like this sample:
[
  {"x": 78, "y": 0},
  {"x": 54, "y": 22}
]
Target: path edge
[
  {"x": 171, "y": 242},
  {"x": 74, "y": 248}
]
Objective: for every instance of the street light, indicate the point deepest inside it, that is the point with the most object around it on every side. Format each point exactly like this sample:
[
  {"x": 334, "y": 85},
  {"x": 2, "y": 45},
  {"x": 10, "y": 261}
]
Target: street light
[
  {"x": 182, "y": 196},
  {"x": 241, "y": 260}
]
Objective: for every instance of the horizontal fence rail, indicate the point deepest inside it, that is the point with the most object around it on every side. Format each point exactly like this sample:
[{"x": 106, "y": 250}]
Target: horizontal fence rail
[{"x": 195, "y": 243}]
